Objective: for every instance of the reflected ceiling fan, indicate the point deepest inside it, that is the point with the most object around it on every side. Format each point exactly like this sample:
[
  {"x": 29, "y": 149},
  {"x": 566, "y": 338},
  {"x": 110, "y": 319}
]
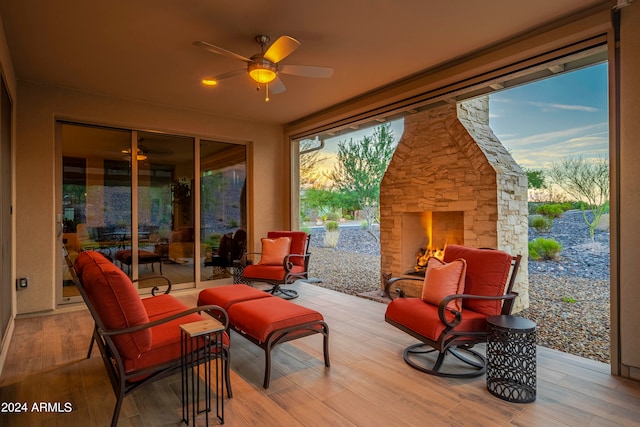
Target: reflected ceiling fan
[{"x": 264, "y": 67}]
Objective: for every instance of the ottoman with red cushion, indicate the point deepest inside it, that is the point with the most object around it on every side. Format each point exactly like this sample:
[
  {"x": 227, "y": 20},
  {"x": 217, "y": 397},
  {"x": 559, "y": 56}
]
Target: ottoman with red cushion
[{"x": 266, "y": 320}]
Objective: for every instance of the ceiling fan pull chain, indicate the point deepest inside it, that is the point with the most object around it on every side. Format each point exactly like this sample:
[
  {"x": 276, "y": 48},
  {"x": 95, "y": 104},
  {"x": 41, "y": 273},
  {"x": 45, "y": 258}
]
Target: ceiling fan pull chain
[{"x": 266, "y": 92}]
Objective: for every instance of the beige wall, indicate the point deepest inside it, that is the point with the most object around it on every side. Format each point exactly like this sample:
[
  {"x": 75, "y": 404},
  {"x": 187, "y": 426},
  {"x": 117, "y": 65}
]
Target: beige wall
[
  {"x": 38, "y": 108},
  {"x": 6, "y": 67},
  {"x": 629, "y": 256}
]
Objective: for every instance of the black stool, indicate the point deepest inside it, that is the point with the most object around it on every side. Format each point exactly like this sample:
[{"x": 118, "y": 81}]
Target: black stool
[{"x": 511, "y": 358}]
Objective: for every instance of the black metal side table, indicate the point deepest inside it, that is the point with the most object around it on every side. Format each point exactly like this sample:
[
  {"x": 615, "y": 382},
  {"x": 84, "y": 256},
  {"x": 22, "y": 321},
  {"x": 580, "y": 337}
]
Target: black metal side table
[
  {"x": 200, "y": 342},
  {"x": 511, "y": 358}
]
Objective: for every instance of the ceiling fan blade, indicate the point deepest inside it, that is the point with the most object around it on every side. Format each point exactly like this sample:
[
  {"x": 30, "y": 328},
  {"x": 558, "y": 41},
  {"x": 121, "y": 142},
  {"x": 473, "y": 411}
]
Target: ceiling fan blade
[
  {"x": 307, "y": 71},
  {"x": 277, "y": 86},
  {"x": 221, "y": 51},
  {"x": 212, "y": 81},
  {"x": 281, "y": 48}
]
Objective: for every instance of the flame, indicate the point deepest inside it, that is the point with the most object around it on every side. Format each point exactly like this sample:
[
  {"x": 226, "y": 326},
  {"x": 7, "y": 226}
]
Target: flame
[{"x": 423, "y": 256}]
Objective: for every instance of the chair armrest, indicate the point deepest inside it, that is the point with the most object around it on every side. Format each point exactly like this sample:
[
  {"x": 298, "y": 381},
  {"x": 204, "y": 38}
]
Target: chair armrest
[
  {"x": 247, "y": 258},
  {"x": 156, "y": 288},
  {"x": 400, "y": 292},
  {"x": 442, "y": 307},
  {"x": 288, "y": 265},
  {"x": 220, "y": 314}
]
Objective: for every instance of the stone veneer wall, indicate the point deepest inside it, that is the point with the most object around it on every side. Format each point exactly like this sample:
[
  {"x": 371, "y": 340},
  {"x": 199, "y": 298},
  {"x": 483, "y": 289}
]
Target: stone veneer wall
[{"x": 448, "y": 159}]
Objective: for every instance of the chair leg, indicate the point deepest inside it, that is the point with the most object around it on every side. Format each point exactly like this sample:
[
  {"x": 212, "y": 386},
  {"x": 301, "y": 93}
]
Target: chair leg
[
  {"x": 284, "y": 293},
  {"x": 116, "y": 411},
  {"x": 477, "y": 361},
  {"x": 227, "y": 372},
  {"x": 267, "y": 367}
]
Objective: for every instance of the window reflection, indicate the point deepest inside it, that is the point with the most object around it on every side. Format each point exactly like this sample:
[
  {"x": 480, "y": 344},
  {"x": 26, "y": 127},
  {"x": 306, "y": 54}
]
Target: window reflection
[
  {"x": 165, "y": 206},
  {"x": 222, "y": 207},
  {"x": 99, "y": 195}
]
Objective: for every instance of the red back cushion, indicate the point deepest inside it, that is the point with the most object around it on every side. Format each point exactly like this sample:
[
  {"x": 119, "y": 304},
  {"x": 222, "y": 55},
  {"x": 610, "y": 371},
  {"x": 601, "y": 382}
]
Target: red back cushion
[
  {"x": 443, "y": 279},
  {"x": 116, "y": 301},
  {"x": 298, "y": 243},
  {"x": 487, "y": 274},
  {"x": 274, "y": 250}
]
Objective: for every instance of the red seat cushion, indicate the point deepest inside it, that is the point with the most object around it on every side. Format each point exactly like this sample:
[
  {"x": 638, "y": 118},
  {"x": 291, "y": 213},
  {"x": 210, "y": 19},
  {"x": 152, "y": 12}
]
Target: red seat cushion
[
  {"x": 166, "y": 344},
  {"x": 298, "y": 243},
  {"x": 422, "y": 317},
  {"x": 487, "y": 274},
  {"x": 162, "y": 306},
  {"x": 225, "y": 296},
  {"x": 268, "y": 272},
  {"x": 116, "y": 301},
  {"x": 260, "y": 317}
]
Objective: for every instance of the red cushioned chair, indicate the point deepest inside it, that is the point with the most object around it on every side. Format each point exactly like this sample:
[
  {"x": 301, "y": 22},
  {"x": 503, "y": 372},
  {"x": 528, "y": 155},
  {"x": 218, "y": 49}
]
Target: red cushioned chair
[
  {"x": 139, "y": 339},
  {"x": 447, "y": 329},
  {"x": 294, "y": 266}
]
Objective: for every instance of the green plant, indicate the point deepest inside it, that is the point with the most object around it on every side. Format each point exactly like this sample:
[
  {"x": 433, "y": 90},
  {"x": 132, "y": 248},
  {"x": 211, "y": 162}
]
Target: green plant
[
  {"x": 570, "y": 300},
  {"x": 541, "y": 224},
  {"x": 364, "y": 224},
  {"x": 331, "y": 226},
  {"x": 331, "y": 237},
  {"x": 332, "y": 216},
  {"x": 544, "y": 249},
  {"x": 551, "y": 211}
]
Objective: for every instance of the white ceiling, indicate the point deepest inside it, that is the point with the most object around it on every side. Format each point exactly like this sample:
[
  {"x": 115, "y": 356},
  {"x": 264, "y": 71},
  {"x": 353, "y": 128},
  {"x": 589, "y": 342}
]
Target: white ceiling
[{"x": 142, "y": 50}]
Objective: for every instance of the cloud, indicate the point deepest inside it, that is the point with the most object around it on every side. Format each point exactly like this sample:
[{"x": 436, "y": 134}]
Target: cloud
[
  {"x": 556, "y": 137},
  {"x": 551, "y": 107}
]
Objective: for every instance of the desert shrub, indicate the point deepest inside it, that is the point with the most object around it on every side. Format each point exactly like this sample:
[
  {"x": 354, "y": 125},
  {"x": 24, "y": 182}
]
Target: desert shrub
[
  {"x": 540, "y": 223},
  {"x": 331, "y": 226},
  {"x": 332, "y": 216},
  {"x": 332, "y": 234},
  {"x": 551, "y": 211},
  {"x": 544, "y": 249},
  {"x": 533, "y": 207}
]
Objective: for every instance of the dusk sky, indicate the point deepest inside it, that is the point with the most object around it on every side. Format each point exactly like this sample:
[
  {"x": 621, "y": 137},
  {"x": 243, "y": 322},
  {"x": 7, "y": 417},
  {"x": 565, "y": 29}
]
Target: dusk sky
[
  {"x": 540, "y": 123},
  {"x": 543, "y": 122}
]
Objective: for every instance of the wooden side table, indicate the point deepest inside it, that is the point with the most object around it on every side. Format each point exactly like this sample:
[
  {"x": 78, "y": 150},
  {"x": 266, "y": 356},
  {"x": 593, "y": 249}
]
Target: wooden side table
[
  {"x": 511, "y": 358},
  {"x": 200, "y": 341}
]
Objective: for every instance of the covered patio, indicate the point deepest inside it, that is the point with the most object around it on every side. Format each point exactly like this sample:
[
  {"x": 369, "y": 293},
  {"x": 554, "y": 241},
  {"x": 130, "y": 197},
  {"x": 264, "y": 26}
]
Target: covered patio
[{"x": 368, "y": 382}]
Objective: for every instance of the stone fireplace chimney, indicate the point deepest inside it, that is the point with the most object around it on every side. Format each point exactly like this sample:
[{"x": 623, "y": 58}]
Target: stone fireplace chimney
[{"x": 451, "y": 181}]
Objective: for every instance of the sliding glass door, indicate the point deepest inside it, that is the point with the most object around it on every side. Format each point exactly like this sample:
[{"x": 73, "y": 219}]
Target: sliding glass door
[
  {"x": 135, "y": 197},
  {"x": 95, "y": 195},
  {"x": 165, "y": 209}
]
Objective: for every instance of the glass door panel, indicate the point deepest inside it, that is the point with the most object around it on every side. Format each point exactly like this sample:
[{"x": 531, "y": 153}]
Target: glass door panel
[
  {"x": 223, "y": 172},
  {"x": 96, "y": 193},
  {"x": 166, "y": 207}
]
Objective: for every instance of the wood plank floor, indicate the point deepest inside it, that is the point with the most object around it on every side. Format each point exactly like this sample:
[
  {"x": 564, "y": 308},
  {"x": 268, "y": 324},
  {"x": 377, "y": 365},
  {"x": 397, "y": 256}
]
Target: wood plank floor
[{"x": 368, "y": 383}]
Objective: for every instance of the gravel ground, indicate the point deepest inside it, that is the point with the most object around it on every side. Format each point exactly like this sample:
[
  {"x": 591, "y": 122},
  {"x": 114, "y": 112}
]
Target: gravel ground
[{"x": 569, "y": 298}]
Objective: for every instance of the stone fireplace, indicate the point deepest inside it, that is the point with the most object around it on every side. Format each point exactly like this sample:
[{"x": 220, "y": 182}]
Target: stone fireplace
[{"x": 452, "y": 182}]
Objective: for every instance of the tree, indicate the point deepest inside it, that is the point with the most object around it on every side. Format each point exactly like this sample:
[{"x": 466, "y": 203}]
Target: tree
[
  {"x": 360, "y": 168},
  {"x": 535, "y": 178},
  {"x": 586, "y": 181},
  {"x": 309, "y": 159}
]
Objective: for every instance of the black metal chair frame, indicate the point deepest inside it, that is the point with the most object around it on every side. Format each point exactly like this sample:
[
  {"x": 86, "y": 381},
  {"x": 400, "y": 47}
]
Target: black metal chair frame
[
  {"x": 232, "y": 254},
  {"x": 457, "y": 343},
  {"x": 289, "y": 276},
  {"x": 123, "y": 383}
]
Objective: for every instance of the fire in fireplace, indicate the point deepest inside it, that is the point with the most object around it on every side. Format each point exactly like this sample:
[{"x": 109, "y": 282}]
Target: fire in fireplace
[{"x": 431, "y": 232}]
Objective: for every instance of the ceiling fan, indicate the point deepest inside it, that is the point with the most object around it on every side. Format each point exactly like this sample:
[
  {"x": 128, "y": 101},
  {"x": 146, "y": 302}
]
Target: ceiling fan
[{"x": 264, "y": 67}]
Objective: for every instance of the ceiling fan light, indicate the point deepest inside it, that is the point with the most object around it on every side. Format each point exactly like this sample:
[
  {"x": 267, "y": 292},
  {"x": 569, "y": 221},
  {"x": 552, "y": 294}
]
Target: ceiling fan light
[
  {"x": 262, "y": 75},
  {"x": 209, "y": 82}
]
